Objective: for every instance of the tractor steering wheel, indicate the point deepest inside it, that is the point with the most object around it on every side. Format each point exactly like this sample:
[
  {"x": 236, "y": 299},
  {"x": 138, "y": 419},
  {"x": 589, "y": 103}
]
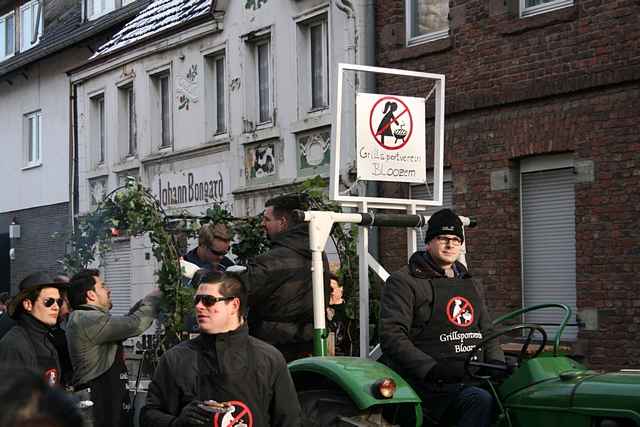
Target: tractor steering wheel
[{"x": 532, "y": 328}]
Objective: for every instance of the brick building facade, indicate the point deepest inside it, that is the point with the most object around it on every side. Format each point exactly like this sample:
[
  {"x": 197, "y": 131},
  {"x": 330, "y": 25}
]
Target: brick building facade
[{"x": 563, "y": 83}]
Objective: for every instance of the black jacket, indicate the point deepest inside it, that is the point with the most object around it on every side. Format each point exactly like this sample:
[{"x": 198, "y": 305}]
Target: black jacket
[
  {"x": 28, "y": 345},
  {"x": 281, "y": 290},
  {"x": 243, "y": 365},
  {"x": 405, "y": 307}
]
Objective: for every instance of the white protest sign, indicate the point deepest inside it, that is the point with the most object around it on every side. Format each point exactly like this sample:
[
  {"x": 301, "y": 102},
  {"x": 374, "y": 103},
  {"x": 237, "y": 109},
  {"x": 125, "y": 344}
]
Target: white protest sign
[{"x": 390, "y": 138}]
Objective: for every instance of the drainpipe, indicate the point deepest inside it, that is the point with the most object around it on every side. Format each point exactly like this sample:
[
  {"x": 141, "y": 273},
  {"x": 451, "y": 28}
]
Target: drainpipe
[{"x": 73, "y": 154}]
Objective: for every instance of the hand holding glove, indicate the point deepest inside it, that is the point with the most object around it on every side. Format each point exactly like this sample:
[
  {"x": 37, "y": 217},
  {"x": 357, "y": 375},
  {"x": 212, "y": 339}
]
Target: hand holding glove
[{"x": 192, "y": 415}]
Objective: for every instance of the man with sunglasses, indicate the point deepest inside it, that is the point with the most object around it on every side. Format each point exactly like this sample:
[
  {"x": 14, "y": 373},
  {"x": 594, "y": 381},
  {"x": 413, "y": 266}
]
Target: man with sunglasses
[
  {"x": 95, "y": 345},
  {"x": 213, "y": 245},
  {"x": 247, "y": 378},
  {"x": 431, "y": 316},
  {"x": 35, "y": 309},
  {"x": 280, "y": 285}
]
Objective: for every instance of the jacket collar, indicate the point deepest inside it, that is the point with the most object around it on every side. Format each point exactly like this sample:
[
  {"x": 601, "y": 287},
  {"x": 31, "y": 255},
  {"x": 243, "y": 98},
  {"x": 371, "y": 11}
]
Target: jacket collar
[
  {"x": 237, "y": 335},
  {"x": 33, "y": 325},
  {"x": 422, "y": 265}
]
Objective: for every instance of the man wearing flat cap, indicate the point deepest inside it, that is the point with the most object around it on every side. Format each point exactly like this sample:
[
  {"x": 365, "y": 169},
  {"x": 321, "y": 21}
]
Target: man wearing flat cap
[
  {"x": 279, "y": 282},
  {"x": 35, "y": 309},
  {"x": 431, "y": 316}
]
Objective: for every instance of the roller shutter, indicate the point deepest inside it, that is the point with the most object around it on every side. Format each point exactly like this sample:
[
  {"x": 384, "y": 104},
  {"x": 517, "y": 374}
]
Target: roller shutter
[
  {"x": 117, "y": 274},
  {"x": 549, "y": 245}
]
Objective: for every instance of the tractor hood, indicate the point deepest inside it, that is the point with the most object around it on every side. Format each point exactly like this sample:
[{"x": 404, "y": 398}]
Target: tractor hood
[{"x": 550, "y": 389}]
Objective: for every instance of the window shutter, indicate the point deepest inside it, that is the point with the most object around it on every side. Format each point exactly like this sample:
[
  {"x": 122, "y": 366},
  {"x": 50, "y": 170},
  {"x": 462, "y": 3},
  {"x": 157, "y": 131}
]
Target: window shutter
[
  {"x": 549, "y": 246},
  {"x": 117, "y": 275}
]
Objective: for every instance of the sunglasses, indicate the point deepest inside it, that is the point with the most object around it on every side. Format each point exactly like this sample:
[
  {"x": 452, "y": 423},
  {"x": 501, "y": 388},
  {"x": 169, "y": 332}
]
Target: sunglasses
[
  {"x": 209, "y": 300},
  {"x": 48, "y": 302},
  {"x": 219, "y": 253}
]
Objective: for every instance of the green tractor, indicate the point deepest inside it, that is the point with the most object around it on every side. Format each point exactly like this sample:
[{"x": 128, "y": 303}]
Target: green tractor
[{"x": 542, "y": 387}]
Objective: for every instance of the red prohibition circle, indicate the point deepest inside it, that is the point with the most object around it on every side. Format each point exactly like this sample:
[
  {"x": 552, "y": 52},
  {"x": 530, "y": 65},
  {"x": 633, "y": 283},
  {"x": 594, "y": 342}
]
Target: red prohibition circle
[
  {"x": 465, "y": 306},
  {"x": 406, "y": 110},
  {"x": 237, "y": 415}
]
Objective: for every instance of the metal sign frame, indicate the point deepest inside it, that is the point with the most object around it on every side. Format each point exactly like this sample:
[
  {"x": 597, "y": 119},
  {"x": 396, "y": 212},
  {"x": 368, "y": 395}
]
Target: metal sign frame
[{"x": 438, "y": 154}]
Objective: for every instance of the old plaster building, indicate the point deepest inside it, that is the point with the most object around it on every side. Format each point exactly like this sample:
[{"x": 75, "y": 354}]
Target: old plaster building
[
  {"x": 39, "y": 41},
  {"x": 208, "y": 101},
  {"x": 541, "y": 146}
]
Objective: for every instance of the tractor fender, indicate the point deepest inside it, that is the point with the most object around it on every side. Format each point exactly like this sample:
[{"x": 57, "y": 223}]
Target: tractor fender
[{"x": 356, "y": 377}]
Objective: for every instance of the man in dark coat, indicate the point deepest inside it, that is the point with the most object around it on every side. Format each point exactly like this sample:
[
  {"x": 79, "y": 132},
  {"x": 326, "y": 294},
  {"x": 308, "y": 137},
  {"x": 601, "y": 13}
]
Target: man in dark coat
[
  {"x": 280, "y": 285},
  {"x": 432, "y": 315},
  {"x": 28, "y": 344},
  {"x": 224, "y": 374}
]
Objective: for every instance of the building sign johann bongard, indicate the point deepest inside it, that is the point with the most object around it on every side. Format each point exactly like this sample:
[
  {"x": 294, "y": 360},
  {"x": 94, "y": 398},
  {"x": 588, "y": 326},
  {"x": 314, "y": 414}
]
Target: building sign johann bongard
[
  {"x": 390, "y": 138},
  {"x": 192, "y": 186}
]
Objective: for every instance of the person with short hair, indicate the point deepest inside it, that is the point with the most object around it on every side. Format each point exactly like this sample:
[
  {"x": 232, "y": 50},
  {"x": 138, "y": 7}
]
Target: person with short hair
[
  {"x": 280, "y": 281},
  {"x": 432, "y": 315},
  {"x": 214, "y": 241},
  {"x": 35, "y": 309},
  {"x": 95, "y": 340},
  {"x": 247, "y": 378}
]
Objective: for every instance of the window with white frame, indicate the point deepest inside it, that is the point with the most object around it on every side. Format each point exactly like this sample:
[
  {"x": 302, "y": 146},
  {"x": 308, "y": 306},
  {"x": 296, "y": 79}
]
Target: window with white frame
[
  {"x": 33, "y": 138},
  {"x": 7, "y": 35},
  {"x": 318, "y": 53},
  {"x": 426, "y": 20},
  {"x": 216, "y": 94},
  {"x": 262, "y": 52},
  {"x": 127, "y": 120},
  {"x": 162, "y": 109},
  {"x": 97, "y": 8},
  {"x": 31, "y": 17},
  {"x": 534, "y": 7},
  {"x": 98, "y": 129}
]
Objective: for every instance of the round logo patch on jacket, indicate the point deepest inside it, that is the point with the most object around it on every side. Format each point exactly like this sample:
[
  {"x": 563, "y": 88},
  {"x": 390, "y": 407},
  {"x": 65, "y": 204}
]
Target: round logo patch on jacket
[
  {"x": 240, "y": 416},
  {"x": 460, "y": 312}
]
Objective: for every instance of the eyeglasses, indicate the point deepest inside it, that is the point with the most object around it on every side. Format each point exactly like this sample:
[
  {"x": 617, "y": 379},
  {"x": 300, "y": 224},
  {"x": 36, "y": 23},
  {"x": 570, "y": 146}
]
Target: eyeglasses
[
  {"x": 48, "y": 302},
  {"x": 209, "y": 300},
  {"x": 453, "y": 241},
  {"x": 219, "y": 253}
]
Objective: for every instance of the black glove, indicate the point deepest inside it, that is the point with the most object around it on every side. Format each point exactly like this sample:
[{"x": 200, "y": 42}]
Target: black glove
[
  {"x": 498, "y": 374},
  {"x": 448, "y": 374},
  {"x": 192, "y": 415}
]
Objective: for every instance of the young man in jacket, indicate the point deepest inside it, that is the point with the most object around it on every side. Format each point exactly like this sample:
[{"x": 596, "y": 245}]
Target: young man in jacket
[
  {"x": 95, "y": 340},
  {"x": 432, "y": 315},
  {"x": 28, "y": 344},
  {"x": 214, "y": 241},
  {"x": 247, "y": 378},
  {"x": 279, "y": 282}
]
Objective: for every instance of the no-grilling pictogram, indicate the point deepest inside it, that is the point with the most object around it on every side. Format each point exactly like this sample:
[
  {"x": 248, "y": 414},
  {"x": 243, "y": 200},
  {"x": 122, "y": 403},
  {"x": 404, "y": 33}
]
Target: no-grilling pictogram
[
  {"x": 241, "y": 416},
  {"x": 391, "y": 122},
  {"x": 460, "y": 312}
]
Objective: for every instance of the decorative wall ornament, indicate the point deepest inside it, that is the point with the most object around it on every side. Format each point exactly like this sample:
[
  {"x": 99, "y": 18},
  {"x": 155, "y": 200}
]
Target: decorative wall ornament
[
  {"x": 314, "y": 154},
  {"x": 254, "y": 4},
  {"x": 260, "y": 160},
  {"x": 187, "y": 88},
  {"x": 97, "y": 190}
]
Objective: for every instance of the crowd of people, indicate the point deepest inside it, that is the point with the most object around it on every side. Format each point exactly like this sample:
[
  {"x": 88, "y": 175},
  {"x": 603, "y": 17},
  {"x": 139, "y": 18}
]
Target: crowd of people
[{"x": 57, "y": 333}]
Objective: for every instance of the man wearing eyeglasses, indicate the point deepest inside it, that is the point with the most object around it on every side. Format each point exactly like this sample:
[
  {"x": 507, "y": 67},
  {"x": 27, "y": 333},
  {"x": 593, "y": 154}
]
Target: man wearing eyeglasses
[
  {"x": 213, "y": 245},
  {"x": 224, "y": 376},
  {"x": 431, "y": 316},
  {"x": 35, "y": 309},
  {"x": 95, "y": 345}
]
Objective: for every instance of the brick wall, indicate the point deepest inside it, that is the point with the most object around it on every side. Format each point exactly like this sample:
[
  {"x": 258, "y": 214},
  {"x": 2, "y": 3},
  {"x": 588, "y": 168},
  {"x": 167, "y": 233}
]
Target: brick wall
[
  {"x": 562, "y": 82},
  {"x": 42, "y": 243}
]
